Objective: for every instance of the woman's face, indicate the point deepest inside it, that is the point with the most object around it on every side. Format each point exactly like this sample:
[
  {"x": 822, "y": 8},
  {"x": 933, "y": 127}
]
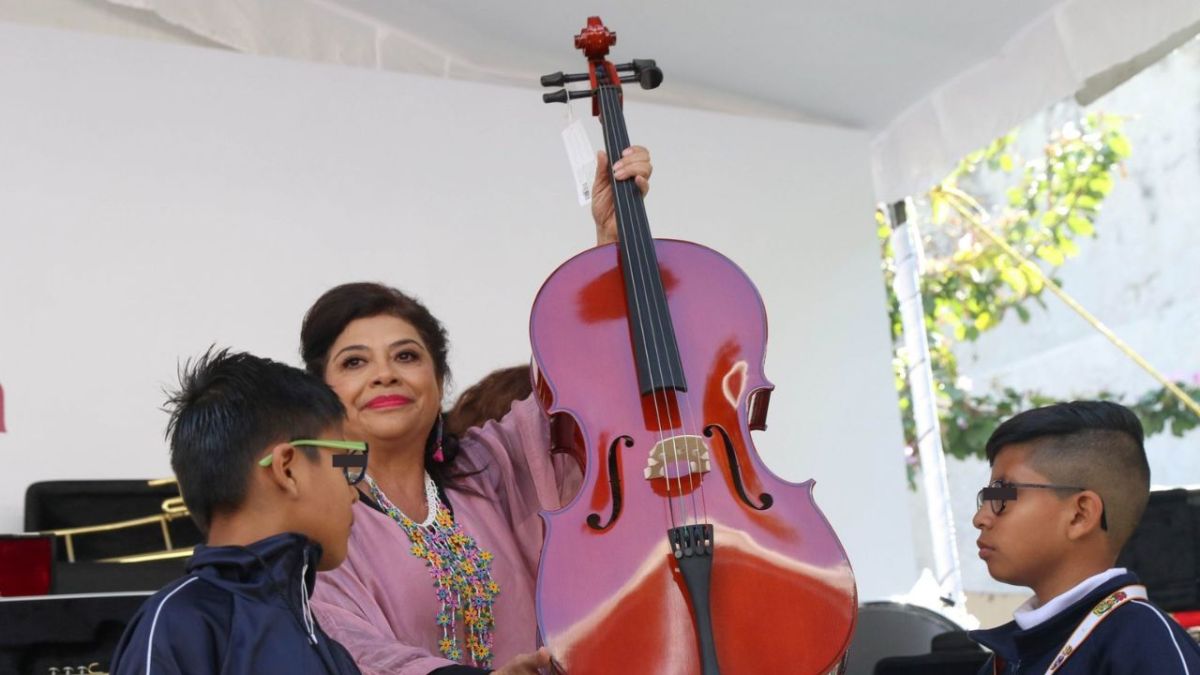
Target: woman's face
[{"x": 385, "y": 376}]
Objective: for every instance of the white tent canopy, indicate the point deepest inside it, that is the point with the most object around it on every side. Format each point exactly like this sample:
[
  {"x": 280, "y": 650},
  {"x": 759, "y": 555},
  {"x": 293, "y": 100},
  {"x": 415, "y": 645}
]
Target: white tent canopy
[{"x": 930, "y": 79}]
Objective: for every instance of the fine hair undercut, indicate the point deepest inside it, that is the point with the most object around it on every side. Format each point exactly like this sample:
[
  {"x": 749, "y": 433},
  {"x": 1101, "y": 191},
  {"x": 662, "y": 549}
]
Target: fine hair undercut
[
  {"x": 230, "y": 408},
  {"x": 1097, "y": 445}
]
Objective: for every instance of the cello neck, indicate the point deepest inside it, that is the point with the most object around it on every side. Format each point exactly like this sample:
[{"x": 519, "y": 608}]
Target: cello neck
[
  {"x": 632, "y": 222},
  {"x": 655, "y": 346}
]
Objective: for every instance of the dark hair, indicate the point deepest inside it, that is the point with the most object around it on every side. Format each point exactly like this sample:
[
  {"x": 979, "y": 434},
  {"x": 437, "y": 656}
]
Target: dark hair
[
  {"x": 340, "y": 305},
  {"x": 489, "y": 399},
  {"x": 229, "y": 408},
  {"x": 1094, "y": 444}
]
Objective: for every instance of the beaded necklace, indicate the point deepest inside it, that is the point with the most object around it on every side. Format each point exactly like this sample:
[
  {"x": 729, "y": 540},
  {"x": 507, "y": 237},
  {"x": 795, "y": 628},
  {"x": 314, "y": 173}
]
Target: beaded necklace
[{"x": 461, "y": 574}]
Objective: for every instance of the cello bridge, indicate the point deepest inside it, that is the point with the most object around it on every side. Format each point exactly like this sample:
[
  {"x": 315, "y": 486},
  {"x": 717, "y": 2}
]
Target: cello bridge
[{"x": 678, "y": 457}]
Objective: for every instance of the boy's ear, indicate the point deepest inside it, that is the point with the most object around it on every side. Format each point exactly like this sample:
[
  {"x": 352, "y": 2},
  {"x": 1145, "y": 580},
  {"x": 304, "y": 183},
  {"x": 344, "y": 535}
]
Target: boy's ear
[
  {"x": 1088, "y": 511},
  {"x": 283, "y": 461}
]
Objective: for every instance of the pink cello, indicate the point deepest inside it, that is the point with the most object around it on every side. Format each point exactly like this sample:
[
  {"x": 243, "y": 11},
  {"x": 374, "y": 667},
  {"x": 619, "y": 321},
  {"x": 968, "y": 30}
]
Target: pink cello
[{"x": 682, "y": 552}]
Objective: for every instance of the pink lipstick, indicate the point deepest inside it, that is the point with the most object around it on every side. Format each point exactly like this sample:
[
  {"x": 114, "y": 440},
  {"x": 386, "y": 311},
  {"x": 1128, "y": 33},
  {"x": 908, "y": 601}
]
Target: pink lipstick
[{"x": 388, "y": 401}]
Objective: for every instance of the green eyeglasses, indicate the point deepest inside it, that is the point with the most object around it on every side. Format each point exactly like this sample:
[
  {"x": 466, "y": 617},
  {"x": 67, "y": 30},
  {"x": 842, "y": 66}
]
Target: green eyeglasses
[{"x": 353, "y": 465}]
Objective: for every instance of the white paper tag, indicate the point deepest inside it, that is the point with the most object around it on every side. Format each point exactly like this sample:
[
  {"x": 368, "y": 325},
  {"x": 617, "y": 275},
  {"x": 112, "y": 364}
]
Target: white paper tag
[{"x": 582, "y": 159}]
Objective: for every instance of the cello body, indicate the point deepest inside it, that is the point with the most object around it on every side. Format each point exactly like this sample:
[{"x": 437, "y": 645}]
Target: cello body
[{"x": 782, "y": 596}]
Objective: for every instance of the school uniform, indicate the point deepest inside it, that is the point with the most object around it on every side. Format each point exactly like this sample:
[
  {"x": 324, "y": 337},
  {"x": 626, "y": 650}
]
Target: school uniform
[
  {"x": 1102, "y": 626},
  {"x": 241, "y": 610}
]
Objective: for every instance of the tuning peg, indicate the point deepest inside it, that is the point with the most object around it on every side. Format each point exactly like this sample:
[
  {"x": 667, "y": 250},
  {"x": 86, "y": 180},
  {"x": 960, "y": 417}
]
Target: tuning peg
[
  {"x": 559, "y": 79},
  {"x": 650, "y": 77},
  {"x": 646, "y": 73},
  {"x": 562, "y": 95},
  {"x": 636, "y": 65}
]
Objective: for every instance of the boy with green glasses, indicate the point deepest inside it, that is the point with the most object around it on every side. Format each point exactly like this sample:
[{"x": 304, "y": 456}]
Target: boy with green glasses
[{"x": 266, "y": 473}]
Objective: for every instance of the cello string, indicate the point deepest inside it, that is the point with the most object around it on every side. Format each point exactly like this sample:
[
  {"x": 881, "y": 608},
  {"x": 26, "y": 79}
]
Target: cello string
[
  {"x": 625, "y": 240},
  {"x": 687, "y": 415},
  {"x": 687, "y": 412},
  {"x": 663, "y": 334},
  {"x": 610, "y": 106},
  {"x": 633, "y": 242}
]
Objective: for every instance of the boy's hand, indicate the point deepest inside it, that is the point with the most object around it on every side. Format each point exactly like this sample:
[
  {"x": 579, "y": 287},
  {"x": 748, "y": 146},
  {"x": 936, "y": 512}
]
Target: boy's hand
[
  {"x": 526, "y": 664},
  {"x": 635, "y": 164}
]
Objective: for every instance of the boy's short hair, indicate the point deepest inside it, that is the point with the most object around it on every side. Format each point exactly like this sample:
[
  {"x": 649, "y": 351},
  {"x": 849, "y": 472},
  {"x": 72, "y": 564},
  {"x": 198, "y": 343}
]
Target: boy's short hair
[
  {"x": 1093, "y": 444},
  {"x": 229, "y": 409}
]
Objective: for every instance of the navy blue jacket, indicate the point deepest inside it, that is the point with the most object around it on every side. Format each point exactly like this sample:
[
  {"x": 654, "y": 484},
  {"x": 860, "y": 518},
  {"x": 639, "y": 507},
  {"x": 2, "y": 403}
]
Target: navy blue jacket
[
  {"x": 1136, "y": 638},
  {"x": 240, "y": 610}
]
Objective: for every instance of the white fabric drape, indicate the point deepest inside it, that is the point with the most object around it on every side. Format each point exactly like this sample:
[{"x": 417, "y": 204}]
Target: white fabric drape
[{"x": 1075, "y": 44}]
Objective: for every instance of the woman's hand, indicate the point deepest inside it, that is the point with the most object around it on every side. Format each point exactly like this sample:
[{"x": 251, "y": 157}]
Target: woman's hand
[
  {"x": 526, "y": 664},
  {"x": 635, "y": 164}
]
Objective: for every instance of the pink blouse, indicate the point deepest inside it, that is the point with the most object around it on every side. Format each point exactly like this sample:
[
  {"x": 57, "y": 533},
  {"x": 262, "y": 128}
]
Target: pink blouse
[{"x": 381, "y": 604}]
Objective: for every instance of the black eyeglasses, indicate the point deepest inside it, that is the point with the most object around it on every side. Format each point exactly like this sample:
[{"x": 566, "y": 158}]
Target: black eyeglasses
[
  {"x": 1000, "y": 492},
  {"x": 353, "y": 464}
]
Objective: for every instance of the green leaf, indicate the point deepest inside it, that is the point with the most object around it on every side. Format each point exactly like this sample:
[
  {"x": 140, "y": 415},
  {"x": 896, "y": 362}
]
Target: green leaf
[
  {"x": 1051, "y": 254},
  {"x": 1081, "y": 226},
  {"x": 939, "y": 209},
  {"x": 1015, "y": 280},
  {"x": 1016, "y": 196},
  {"x": 1034, "y": 276},
  {"x": 1101, "y": 184},
  {"x": 1120, "y": 145}
]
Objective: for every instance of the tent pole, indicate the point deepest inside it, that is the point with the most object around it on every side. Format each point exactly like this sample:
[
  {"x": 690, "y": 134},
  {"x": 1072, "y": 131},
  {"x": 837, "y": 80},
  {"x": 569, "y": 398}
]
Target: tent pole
[{"x": 906, "y": 246}]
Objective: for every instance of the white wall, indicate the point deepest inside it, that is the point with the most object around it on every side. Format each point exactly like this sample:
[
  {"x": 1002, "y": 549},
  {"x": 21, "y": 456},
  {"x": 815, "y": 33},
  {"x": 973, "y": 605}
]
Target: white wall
[{"x": 157, "y": 199}]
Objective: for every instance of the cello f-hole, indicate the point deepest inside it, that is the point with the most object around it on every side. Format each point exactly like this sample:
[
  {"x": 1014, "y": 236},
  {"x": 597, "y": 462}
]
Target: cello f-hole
[
  {"x": 614, "y": 483},
  {"x": 765, "y": 499}
]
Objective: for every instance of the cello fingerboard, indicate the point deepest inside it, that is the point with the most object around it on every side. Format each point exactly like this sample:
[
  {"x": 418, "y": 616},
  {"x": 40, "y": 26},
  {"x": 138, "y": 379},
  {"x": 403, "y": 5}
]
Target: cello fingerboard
[{"x": 656, "y": 350}]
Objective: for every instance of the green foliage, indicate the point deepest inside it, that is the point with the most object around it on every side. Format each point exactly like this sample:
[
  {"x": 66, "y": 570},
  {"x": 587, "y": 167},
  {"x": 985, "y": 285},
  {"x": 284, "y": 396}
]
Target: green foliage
[{"x": 970, "y": 284}]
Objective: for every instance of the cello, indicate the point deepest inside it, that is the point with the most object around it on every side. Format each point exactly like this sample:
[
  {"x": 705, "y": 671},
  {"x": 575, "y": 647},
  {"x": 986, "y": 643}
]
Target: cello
[{"x": 682, "y": 552}]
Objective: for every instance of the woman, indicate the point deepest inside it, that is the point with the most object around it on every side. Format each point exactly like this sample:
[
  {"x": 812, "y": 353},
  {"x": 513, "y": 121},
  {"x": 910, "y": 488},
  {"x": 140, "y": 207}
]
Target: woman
[{"x": 444, "y": 550}]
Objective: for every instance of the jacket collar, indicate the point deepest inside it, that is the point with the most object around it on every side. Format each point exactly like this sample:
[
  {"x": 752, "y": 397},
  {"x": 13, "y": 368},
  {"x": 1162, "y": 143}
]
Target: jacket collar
[
  {"x": 282, "y": 564},
  {"x": 1014, "y": 644}
]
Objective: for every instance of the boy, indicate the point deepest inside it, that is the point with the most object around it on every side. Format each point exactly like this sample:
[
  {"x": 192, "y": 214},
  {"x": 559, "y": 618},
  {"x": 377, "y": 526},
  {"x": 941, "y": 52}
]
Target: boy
[
  {"x": 1069, "y": 484},
  {"x": 258, "y": 450}
]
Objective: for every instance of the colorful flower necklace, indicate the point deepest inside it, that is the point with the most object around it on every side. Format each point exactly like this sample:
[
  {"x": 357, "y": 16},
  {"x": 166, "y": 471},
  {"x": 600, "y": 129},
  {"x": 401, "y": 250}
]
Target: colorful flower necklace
[{"x": 461, "y": 574}]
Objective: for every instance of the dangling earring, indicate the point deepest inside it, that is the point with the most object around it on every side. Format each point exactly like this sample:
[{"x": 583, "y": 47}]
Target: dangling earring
[{"x": 438, "y": 456}]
